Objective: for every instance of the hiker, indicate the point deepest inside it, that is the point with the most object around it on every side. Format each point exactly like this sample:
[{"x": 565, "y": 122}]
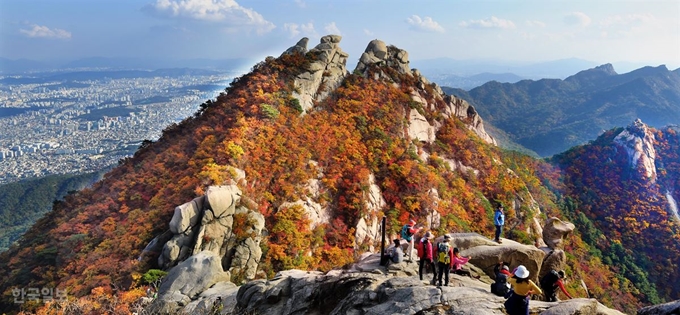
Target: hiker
[
  {"x": 502, "y": 267},
  {"x": 396, "y": 254},
  {"x": 444, "y": 259},
  {"x": 550, "y": 282},
  {"x": 407, "y": 233},
  {"x": 425, "y": 254},
  {"x": 457, "y": 264},
  {"x": 501, "y": 287},
  {"x": 499, "y": 221},
  {"x": 523, "y": 288}
]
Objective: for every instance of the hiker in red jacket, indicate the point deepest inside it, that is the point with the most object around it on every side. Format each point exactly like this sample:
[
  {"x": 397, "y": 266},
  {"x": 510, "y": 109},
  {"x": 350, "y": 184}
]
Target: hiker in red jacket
[{"x": 426, "y": 255}]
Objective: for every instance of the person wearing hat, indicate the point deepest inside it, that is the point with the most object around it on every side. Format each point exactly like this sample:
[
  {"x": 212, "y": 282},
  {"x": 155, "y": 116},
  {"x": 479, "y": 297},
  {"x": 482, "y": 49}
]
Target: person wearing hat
[
  {"x": 550, "y": 283},
  {"x": 426, "y": 256},
  {"x": 499, "y": 221},
  {"x": 444, "y": 259},
  {"x": 523, "y": 288},
  {"x": 407, "y": 233}
]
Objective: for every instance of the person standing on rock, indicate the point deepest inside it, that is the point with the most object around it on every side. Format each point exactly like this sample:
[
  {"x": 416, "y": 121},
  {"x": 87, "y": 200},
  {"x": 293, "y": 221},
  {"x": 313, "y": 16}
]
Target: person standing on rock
[
  {"x": 499, "y": 221},
  {"x": 444, "y": 260},
  {"x": 407, "y": 233},
  {"x": 426, "y": 255},
  {"x": 523, "y": 288}
]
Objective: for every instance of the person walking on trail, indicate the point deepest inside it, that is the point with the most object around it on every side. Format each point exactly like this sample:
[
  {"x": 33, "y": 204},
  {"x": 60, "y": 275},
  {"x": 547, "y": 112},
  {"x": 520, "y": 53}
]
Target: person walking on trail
[
  {"x": 407, "y": 233},
  {"x": 499, "y": 221},
  {"x": 457, "y": 263},
  {"x": 523, "y": 288},
  {"x": 396, "y": 254},
  {"x": 444, "y": 260},
  {"x": 550, "y": 283},
  {"x": 426, "y": 255}
]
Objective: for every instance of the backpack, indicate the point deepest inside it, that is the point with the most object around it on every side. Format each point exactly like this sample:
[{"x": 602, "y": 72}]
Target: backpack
[
  {"x": 548, "y": 282},
  {"x": 443, "y": 253},
  {"x": 405, "y": 233}
]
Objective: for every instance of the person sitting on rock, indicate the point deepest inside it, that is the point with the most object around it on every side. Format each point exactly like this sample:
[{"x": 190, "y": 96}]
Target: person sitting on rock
[
  {"x": 396, "y": 254},
  {"x": 550, "y": 282},
  {"x": 523, "y": 288},
  {"x": 425, "y": 254},
  {"x": 501, "y": 287},
  {"x": 457, "y": 264}
]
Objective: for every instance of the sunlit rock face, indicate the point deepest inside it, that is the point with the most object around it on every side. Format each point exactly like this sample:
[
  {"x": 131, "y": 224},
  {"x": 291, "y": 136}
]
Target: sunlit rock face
[{"x": 638, "y": 141}]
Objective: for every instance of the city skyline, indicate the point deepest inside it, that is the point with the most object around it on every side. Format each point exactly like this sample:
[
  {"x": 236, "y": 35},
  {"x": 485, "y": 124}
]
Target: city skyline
[{"x": 641, "y": 32}]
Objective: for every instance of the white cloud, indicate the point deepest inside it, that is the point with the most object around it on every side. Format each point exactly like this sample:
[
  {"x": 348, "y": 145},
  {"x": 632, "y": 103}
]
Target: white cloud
[
  {"x": 534, "y": 23},
  {"x": 630, "y": 20},
  {"x": 45, "y": 32},
  {"x": 331, "y": 28},
  {"x": 492, "y": 22},
  {"x": 577, "y": 18},
  {"x": 301, "y": 3},
  {"x": 426, "y": 25},
  {"x": 223, "y": 11},
  {"x": 296, "y": 29},
  {"x": 369, "y": 33}
]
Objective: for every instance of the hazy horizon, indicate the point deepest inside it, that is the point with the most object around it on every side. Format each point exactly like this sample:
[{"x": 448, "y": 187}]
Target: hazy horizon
[{"x": 522, "y": 31}]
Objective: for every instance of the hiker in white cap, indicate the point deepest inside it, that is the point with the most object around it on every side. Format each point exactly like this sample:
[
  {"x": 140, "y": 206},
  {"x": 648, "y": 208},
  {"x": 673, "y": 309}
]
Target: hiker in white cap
[{"x": 523, "y": 288}]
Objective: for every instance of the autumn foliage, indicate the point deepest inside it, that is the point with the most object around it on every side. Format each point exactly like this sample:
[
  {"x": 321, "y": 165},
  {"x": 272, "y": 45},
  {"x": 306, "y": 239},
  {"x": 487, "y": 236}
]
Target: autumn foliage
[{"x": 90, "y": 243}]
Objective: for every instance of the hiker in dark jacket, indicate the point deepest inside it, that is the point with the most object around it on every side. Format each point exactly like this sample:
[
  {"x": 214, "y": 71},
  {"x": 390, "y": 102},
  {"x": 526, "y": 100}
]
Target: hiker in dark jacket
[{"x": 550, "y": 283}]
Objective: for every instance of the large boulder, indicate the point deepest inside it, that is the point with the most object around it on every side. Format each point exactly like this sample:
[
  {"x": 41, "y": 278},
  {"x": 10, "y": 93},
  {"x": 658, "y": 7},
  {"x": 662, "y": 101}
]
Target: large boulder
[
  {"x": 186, "y": 216},
  {"x": 487, "y": 256},
  {"x": 222, "y": 200},
  {"x": 190, "y": 278},
  {"x": 670, "y": 308},
  {"x": 554, "y": 232},
  {"x": 555, "y": 259}
]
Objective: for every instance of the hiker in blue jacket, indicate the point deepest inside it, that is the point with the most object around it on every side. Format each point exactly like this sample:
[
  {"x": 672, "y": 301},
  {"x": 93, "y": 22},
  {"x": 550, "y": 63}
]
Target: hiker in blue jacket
[{"x": 499, "y": 221}]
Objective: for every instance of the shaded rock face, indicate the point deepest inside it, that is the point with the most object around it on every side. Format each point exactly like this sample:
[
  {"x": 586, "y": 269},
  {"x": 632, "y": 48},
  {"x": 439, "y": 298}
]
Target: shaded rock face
[
  {"x": 670, "y": 308},
  {"x": 324, "y": 74},
  {"x": 368, "y": 226},
  {"x": 555, "y": 259},
  {"x": 206, "y": 224},
  {"x": 554, "y": 232},
  {"x": 638, "y": 141}
]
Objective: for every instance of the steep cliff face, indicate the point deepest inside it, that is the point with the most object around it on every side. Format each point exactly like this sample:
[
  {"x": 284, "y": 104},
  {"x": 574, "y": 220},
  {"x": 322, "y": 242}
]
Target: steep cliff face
[{"x": 638, "y": 141}]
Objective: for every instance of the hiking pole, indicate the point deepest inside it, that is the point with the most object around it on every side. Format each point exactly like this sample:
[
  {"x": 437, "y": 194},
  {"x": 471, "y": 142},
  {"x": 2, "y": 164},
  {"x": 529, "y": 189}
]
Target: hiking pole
[{"x": 382, "y": 245}]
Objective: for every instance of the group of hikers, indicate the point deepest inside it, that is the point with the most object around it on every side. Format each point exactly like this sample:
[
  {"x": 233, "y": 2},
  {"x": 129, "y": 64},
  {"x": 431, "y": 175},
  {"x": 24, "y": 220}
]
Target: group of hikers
[{"x": 443, "y": 259}]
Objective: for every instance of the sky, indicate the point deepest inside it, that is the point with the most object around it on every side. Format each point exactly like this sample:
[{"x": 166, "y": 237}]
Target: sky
[{"x": 512, "y": 30}]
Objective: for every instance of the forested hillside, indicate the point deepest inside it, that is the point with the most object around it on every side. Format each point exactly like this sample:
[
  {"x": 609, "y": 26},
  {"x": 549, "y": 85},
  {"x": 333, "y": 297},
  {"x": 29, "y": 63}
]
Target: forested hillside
[
  {"x": 628, "y": 211},
  {"x": 23, "y": 203},
  {"x": 382, "y": 128}
]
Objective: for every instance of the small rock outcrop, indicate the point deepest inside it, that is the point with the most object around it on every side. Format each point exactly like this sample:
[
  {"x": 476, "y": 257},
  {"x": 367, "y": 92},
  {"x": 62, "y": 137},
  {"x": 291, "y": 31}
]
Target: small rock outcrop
[
  {"x": 638, "y": 141},
  {"x": 324, "y": 74},
  {"x": 554, "y": 232},
  {"x": 670, "y": 308}
]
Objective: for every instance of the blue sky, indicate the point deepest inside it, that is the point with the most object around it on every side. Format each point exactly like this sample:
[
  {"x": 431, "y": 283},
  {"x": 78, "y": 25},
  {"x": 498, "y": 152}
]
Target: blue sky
[{"x": 527, "y": 31}]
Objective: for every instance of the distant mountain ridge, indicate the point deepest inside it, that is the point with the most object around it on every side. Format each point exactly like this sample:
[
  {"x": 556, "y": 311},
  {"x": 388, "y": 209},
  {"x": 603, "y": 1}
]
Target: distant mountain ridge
[{"x": 551, "y": 115}]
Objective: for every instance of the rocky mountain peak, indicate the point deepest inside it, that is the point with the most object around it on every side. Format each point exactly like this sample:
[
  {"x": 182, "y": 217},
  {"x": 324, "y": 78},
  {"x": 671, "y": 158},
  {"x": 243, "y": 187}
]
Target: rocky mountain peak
[
  {"x": 606, "y": 68},
  {"x": 324, "y": 74},
  {"x": 638, "y": 141}
]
